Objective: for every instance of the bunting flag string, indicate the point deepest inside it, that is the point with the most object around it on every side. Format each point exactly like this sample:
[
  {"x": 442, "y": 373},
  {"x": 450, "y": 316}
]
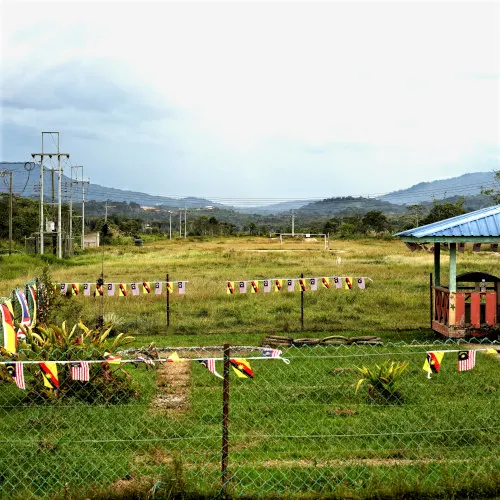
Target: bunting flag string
[
  {"x": 276, "y": 284},
  {"x": 122, "y": 289}
]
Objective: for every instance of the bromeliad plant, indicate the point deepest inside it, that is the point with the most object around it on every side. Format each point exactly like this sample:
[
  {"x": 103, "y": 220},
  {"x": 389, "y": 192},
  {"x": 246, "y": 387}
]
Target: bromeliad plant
[
  {"x": 60, "y": 342},
  {"x": 383, "y": 381}
]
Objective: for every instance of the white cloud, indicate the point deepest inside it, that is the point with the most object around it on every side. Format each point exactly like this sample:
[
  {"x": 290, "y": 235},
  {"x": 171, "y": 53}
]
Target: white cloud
[{"x": 262, "y": 88}]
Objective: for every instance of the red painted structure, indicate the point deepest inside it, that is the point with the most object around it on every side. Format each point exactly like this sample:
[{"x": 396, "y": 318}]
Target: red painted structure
[{"x": 476, "y": 308}]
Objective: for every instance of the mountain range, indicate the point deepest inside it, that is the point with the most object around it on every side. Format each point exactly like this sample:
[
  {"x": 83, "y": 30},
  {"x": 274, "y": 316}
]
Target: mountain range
[{"x": 26, "y": 182}]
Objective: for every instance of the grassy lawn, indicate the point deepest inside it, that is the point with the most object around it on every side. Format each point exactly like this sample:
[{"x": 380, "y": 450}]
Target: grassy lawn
[{"x": 295, "y": 430}]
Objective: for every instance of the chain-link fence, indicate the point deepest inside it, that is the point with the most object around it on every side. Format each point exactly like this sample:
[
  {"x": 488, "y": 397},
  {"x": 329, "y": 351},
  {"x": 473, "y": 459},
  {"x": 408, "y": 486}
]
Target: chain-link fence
[{"x": 337, "y": 421}]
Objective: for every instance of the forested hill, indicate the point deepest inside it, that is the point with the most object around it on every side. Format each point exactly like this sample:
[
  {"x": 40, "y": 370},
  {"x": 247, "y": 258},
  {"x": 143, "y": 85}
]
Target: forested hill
[{"x": 464, "y": 185}]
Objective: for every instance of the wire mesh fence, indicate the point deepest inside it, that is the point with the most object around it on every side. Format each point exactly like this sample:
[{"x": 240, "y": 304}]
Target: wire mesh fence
[{"x": 337, "y": 421}]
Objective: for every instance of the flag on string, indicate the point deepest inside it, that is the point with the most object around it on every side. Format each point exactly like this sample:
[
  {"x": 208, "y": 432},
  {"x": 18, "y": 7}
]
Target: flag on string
[
  {"x": 146, "y": 288},
  {"x": 181, "y": 286},
  {"x": 75, "y": 288},
  {"x": 302, "y": 283},
  {"x": 123, "y": 290},
  {"x": 80, "y": 370},
  {"x": 111, "y": 289},
  {"x": 25, "y": 311},
  {"x": 112, "y": 359},
  {"x": 86, "y": 289},
  {"x": 271, "y": 353},
  {"x": 98, "y": 291},
  {"x": 255, "y": 286},
  {"x": 33, "y": 304},
  {"x": 466, "y": 360},
  {"x": 290, "y": 285},
  {"x": 361, "y": 283},
  {"x": 170, "y": 288},
  {"x": 135, "y": 288},
  {"x": 432, "y": 363},
  {"x": 210, "y": 365},
  {"x": 348, "y": 283},
  {"x": 174, "y": 358},
  {"x": 278, "y": 285},
  {"x": 158, "y": 288},
  {"x": 16, "y": 370},
  {"x": 314, "y": 284},
  {"x": 8, "y": 303},
  {"x": 267, "y": 286},
  {"x": 243, "y": 287},
  {"x": 64, "y": 288},
  {"x": 49, "y": 373},
  {"x": 147, "y": 361},
  {"x": 241, "y": 367},
  {"x": 9, "y": 334},
  {"x": 476, "y": 247},
  {"x": 491, "y": 351},
  {"x": 338, "y": 281},
  {"x": 326, "y": 282},
  {"x": 230, "y": 287}
]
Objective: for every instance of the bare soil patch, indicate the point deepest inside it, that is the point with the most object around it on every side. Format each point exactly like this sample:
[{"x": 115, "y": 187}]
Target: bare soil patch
[{"x": 174, "y": 382}]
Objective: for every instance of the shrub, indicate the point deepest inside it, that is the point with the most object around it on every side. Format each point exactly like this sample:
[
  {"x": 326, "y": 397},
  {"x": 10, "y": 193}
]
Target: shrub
[{"x": 383, "y": 381}]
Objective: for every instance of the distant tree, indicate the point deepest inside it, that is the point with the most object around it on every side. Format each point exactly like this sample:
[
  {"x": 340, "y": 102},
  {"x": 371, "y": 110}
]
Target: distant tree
[
  {"x": 494, "y": 193},
  {"x": 417, "y": 211},
  {"x": 441, "y": 211},
  {"x": 375, "y": 220},
  {"x": 252, "y": 228},
  {"x": 331, "y": 226}
]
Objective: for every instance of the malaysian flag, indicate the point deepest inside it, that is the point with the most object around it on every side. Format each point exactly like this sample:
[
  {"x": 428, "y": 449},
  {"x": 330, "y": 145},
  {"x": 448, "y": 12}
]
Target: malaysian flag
[
  {"x": 80, "y": 370},
  {"x": 135, "y": 288},
  {"x": 148, "y": 361},
  {"x": 17, "y": 372},
  {"x": 466, "y": 360},
  {"x": 271, "y": 353},
  {"x": 210, "y": 365},
  {"x": 158, "y": 288}
]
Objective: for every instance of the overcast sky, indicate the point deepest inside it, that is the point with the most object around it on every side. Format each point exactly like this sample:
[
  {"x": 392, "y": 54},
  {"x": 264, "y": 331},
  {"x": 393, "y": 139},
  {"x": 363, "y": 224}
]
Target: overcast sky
[{"x": 254, "y": 100}]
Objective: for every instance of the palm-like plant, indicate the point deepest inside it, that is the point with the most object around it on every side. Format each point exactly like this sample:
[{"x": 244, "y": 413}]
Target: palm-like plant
[{"x": 383, "y": 380}]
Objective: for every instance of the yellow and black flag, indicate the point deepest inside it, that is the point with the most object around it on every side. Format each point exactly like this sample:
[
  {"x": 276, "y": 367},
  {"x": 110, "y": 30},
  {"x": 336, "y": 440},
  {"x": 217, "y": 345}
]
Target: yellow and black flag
[
  {"x": 278, "y": 285},
  {"x": 146, "y": 288},
  {"x": 241, "y": 367},
  {"x": 432, "y": 363},
  {"x": 230, "y": 287},
  {"x": 255, "y": 286},
  {"x": 49, "y": 373},
  {"x": 123, "y": 290}
]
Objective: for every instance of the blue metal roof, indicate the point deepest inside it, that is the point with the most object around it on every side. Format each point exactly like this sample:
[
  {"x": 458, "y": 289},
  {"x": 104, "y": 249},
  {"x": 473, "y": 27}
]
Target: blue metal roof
[{"x": 484, "y": 223}]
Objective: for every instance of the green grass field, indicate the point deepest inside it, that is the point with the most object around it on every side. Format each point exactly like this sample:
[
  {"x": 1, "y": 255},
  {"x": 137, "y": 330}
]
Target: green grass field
[{"x": 296, "y": 430}]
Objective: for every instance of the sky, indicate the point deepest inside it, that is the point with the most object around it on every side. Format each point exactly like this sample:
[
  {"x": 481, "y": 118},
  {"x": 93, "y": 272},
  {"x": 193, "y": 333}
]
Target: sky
[{"x": 254, "y": 100}]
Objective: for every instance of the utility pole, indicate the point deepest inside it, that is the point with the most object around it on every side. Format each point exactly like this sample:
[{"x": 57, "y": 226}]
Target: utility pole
[
  {"x": 59, "y": 155},
  {"x": 82, "y": 182},
  {"x": 106, "y": 210},
  {"x": 185, "y": 222},
  {"x": 170, "y": 223},
  {"x": 180, "y": 223},
  {"x": 293, "y": 223},
  {"x": 3, "y": 173}
]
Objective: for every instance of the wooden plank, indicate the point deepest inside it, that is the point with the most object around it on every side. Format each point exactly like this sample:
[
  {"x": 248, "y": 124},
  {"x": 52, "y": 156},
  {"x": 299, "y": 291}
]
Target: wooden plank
[
  {"x": 475, "y": 311},
  {"x": 460, "y": 309},
  {"x": 491, "y": 308}
]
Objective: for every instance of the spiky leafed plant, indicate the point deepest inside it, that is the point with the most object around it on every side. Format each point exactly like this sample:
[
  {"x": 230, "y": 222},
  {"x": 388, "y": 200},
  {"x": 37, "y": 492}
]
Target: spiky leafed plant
[{"x": 383, "y": 380}]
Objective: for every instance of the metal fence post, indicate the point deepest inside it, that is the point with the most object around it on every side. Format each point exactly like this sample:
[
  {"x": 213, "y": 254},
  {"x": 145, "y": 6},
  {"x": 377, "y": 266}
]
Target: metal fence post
[
  {"x": 168, "y": 305},
  {"x": 225, "y": 420},
  {"x": 301, "y": 305}
]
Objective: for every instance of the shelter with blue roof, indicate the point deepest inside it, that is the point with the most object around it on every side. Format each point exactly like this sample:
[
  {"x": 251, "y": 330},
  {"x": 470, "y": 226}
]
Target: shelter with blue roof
[{"x": 470, "y": 304}]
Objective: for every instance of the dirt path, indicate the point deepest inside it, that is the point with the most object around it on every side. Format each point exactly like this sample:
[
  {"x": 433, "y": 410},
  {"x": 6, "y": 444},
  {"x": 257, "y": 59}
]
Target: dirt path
[{"x": 174, "y": 383}]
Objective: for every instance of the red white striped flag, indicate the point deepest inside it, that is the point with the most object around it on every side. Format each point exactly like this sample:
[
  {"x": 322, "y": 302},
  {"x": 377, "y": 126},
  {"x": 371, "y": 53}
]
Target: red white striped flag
[
  {"x": 80, "y": 370},
  {"x": 271, "y": 353},
  {"x": 17, "y": 372},
  {"x": 466, "y": 360},
  {"x": 210, "y": 365}
]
